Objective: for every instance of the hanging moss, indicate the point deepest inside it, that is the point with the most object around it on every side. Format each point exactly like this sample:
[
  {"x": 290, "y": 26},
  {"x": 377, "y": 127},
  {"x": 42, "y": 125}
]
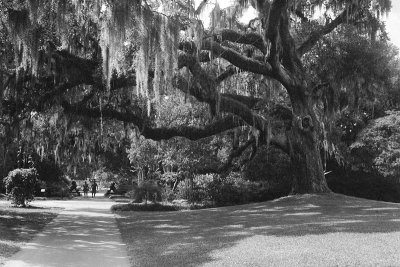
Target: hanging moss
[
  {"x": 18, "y": 21},
  {"x": 158, "y": 47},
  {"x": 26, "y": 39},
  {"x": 157, "y": 76},
  {"x": 117, "y": 19},
  {"x": 1, "y": 86},
  {"x": 33, "y": 6},
  {"x": 155, "y": 34}
]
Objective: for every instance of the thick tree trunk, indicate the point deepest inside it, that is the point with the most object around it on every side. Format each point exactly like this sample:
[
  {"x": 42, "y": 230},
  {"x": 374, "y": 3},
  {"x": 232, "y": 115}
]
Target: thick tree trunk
[
  {"x": 307, "y": 167},
  {"x": 305, "y": 156}
]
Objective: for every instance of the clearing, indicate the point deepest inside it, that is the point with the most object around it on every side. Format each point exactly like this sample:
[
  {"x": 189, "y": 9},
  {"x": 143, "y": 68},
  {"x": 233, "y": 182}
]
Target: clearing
[{"x": 307, "y": 230}]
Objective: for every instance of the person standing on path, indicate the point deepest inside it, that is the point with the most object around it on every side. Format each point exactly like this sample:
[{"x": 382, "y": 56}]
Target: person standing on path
[
  {"x": 85, "y": 189},
  {"x": 94, "y": 188}
]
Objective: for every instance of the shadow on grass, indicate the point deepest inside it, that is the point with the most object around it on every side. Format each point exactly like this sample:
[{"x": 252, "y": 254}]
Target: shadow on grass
[
  {"x": 18, "y": 225},
  {"x": 84, "y": 234},
  {"x": 191, "y": 238}
]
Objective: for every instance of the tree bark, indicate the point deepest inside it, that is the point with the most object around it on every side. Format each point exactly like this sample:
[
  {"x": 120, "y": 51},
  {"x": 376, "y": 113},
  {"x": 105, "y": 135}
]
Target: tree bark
[
  {"x": 307, "y": 167},
  {"x": 305, "y": 154}
]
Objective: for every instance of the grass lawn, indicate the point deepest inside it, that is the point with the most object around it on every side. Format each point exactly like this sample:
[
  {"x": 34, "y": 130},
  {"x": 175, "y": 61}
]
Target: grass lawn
[
  {"x": 308, "y": 230},
  {"x": 19, "y": 225}
]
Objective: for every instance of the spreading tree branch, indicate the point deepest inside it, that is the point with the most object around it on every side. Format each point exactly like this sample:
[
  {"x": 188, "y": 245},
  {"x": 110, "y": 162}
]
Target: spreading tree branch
[
  {"x": 272, "y": 31},
  {"x": 251, "y": 38},
  {"x": 301, "y": 15},
  {"x": 238, "y": 60},
  {"x": 291, "y": 61},
  {"x": 230, "y": 71},
  {"x": 315, "y": 36},
  {"x": 156, "y": 133}
]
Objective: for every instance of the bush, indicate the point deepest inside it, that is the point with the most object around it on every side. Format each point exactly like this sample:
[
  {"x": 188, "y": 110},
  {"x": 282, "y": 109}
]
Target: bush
[
  {"x": 169, "y": 194},
  {"x": 231, "y": 190},
  {"x": 123, "y": 186},
  {"x": 197, "y": 192},
  {"x": 146, "y": 190},
  {"x": 235, "y": 190},
  {"x": 365, "y": 185},
  {"x": 156, "y": 207},
  {"x": 57, "y": 190},
  {"x": 271, "y": 168},
  {"x": 144, "y": 207},
  {"x": 20, "y": 185},
  {"x": 377, "y": 146},
  {"x": 51, "y": 178}
]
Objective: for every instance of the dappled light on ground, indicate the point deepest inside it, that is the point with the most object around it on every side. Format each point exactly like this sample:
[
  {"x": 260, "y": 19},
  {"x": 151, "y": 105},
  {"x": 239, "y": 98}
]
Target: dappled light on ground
[
  {"x": 311, "y": 230},
  {"x": 83, "y": 235},
  {"x": 18, "y": 225}
]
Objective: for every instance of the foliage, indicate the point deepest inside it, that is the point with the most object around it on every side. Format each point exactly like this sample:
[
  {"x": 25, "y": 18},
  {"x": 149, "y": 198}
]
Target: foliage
[
  {"x": 356, "y": 77},
  {"x": 234, "y": 190},
  {"x": 231, "y": 190},
  {"x": 146, "y": 191},
  {"x": 51, "y": 178},
  {"x": 361, "y": 70},
  {"x": 179, "y": 152},
  {"x": 144, "y": 207},
  {"x": 269, "y": 164},
  {"x": 377, "y": 147},
  {"x": 350, "y": 124},
  {"x": 185, "y": 154},
  {"x": 370, "y": 185},
  {"x": 20, "y": 185},
  {"x": 87, "y": 79}
]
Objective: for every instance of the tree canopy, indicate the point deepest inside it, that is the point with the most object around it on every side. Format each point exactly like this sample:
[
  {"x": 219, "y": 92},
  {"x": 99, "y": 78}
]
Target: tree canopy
[{"x": 275, "y": 77}]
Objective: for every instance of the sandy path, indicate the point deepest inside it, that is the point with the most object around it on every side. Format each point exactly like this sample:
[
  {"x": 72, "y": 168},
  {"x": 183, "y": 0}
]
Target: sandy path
[{"x": 84, "y": 234}]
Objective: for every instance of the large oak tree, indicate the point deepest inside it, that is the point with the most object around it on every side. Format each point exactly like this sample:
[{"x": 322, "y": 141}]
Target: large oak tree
[{"x": 120, "y": 60}]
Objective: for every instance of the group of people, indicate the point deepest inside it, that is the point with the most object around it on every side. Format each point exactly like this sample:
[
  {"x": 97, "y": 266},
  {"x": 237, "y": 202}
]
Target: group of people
[{"x": 94, "y": 187}]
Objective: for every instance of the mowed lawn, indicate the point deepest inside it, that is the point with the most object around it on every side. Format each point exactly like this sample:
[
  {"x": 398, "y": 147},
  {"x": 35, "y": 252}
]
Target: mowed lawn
[
  {"x": 308, "y": 230},
  {"x": 19, "y": 225}
]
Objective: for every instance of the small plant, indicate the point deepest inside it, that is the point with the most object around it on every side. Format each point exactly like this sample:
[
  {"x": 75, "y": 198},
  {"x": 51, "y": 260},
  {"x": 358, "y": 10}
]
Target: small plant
[{"x": 20, "y": 185}]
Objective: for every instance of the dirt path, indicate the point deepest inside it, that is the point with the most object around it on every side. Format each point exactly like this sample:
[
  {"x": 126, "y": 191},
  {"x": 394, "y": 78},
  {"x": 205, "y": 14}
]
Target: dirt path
[{"x": 84, "y": 234}]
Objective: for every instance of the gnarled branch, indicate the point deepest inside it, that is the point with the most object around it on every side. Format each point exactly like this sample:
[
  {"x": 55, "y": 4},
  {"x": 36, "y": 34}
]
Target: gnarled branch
[
  {"x": 251, "y": 38},
  {"x": 328, "y": 28},
  {"x": 156, "y": 133},
  {"x": 238, "y": 60}
]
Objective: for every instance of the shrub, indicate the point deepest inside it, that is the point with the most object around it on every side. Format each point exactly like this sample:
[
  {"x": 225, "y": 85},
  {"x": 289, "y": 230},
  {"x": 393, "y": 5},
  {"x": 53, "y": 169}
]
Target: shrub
[
  {"x": 231, "y": 190},
  {"x": 224, "y": 192},
  {"x": 197, "y": 192},
  {"x": 156, "y": 207},
  {"x": 377, "y": 146},
  {"x": 364, "y": 185},
  {"x": 144, "y": 207},
  {"x": 169, "y": 194},
  {"x": 51, "y": 178},
  {"x": 235, "y": 190},
  {"x": 271, "y": 166},
  {"x": 146, "y": 190},
  {"x": 20, "y": 185}
]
